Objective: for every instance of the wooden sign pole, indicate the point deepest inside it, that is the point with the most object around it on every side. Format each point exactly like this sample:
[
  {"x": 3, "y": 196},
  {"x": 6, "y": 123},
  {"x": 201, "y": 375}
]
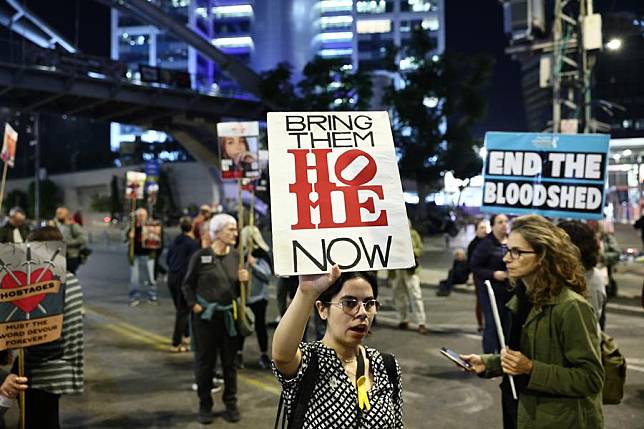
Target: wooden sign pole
[{"x": 2, "y": 186}]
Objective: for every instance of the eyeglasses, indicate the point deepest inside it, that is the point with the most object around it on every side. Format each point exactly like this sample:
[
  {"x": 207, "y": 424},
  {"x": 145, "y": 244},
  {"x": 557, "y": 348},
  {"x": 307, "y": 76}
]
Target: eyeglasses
[
  {"x": 350, "y": 305},
  {"x": 515, "y": 252}
]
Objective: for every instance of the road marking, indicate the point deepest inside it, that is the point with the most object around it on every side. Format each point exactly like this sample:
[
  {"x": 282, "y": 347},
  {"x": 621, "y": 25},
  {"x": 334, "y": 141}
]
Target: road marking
[
  {"x": 158, "y": 342},
  {"x": 634, "y": 367},
  {"x": 630, "y": 308}
]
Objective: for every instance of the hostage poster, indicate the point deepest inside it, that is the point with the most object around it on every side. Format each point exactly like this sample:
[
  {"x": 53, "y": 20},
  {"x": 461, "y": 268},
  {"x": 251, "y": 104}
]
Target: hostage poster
[
  {"x": 238, "y": 149},
  {"x": 336, "y": 194},
  {"x": 32, "y": 293},
  {"x": 555, "y": 175}
]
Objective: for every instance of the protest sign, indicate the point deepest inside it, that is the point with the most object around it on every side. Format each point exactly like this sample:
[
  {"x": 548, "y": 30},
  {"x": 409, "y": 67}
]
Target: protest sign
[
  {"x": 31, "y": 293},
  {"x": 555, "y": 175},
  {"x": 238, "y": 149},
  {"x": 336, "y": 195},
  {"x": 135, "y": 185},
  {"x": 8, "y": 153},
  {"x": 151, "y": 235}
]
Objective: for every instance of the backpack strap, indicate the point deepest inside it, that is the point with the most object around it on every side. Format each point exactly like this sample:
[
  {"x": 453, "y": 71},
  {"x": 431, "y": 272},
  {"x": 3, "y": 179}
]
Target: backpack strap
[
  {"x": 301, "y": 403},
  {"x": 392, "y": 374}
]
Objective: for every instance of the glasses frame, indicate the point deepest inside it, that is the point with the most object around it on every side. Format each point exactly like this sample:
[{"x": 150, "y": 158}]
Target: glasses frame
[
  {"x": 353, "y": 311},
  {"x": 519, "y": 252}
]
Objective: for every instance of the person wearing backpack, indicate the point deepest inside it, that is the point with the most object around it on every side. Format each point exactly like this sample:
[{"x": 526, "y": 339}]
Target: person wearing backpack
[{"x": 335, "y": 382}]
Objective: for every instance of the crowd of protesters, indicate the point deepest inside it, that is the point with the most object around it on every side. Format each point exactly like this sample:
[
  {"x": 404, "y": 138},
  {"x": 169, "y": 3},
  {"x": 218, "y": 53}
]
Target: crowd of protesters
[{"x": 551, "y": 284}]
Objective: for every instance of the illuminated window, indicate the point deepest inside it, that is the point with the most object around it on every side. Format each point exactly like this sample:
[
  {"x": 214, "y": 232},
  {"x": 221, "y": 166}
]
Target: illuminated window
[
  {"x": 342, "y": 21},
  {"x": 233, "y": 42},
  {"x": 234, "y": 11},
  {"x": 331, "y": 53},
  {"x": 335, "y": 5},
  {"x": 373, "y": 26},
  {"x": 418, "y": 5},
  {"x": 335, "y": 37},
  {"x": 373, "y": 6},
  {"x": 431, "y": 24}
]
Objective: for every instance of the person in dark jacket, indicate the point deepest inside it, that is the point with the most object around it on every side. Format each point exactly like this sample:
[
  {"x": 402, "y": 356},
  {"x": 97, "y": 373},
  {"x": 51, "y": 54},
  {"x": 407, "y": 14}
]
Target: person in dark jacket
[
  {"x": 211, "y": 288},
  {"x": 480, "y": 234},
  {"x": 16, "y": 229},
  {"x": 177, "y": 259},
  {"x": 487, "y": 264},
  {"x": 458, "y": 274},
  {"x": 553, "y": 348}
]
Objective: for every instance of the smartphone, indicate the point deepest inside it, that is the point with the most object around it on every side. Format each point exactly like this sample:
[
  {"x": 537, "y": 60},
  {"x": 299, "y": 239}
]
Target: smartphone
[{"x": 454, "y": 357}]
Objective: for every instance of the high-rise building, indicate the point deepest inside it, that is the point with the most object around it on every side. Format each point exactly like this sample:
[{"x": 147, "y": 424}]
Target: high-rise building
[{"x": 262, "y": 33}]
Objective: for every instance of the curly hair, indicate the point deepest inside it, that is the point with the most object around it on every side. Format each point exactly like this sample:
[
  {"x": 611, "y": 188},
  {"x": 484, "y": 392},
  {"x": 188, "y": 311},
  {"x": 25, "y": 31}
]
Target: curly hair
[
  {"x": 583, "y": 236},
  {"x": 558, "y": 260}
]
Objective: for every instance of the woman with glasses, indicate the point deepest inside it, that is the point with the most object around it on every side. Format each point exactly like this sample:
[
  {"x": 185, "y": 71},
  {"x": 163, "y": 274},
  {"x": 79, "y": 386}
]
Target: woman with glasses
[
  {"x": 336, "y": 382},
  {"x": 553, "y": 347}
]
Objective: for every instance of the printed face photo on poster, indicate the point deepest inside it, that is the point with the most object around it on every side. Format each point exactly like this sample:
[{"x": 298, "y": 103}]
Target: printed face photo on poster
[{"x": 239, "y": 156}]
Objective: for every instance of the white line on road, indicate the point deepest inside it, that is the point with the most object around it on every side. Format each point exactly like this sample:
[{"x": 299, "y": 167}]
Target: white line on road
[{"x": 630, "y": 308}]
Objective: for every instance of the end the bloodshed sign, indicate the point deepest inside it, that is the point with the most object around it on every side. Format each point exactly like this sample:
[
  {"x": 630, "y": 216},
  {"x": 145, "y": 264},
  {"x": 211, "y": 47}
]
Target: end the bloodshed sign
[
  {"x": 336, "y": 195},
  {"x": 31, "y": 293},
  {"x": 556, "y": 175}
]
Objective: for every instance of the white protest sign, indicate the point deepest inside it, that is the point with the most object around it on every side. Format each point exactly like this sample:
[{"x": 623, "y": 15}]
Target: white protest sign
[{"x": 336, "y": 195}]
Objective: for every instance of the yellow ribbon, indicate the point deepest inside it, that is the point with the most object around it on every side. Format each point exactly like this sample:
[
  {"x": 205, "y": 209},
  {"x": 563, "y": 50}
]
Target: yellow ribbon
[{"x": 363, "y": 399}]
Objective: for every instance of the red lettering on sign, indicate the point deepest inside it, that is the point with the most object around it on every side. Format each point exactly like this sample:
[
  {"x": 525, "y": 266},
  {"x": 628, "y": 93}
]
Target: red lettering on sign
[{"x": 350, "y": 189}]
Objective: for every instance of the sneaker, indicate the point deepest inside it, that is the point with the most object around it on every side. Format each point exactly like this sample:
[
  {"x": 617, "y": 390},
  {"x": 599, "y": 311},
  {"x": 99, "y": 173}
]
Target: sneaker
[
  {"x": 205, "y": 416},
  {"x": 239, "y": 360},
  {"x": 422, "y": 330},
  {"x": 213, "y": 390},
  {"x": 153, "y": 301},
  {"x": 135, "y": 303},
  {"x": 231, "y": 414},
  {"x": 264, "y": 361}
]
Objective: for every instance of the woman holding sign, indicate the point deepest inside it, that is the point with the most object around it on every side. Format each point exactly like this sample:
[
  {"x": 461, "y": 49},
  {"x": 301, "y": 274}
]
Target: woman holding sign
[
  {"x": 336, "y": 382},
  {"x": 553, "y": 347}
]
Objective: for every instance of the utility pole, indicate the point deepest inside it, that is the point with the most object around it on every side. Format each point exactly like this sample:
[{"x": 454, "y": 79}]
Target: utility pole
[
  {"x": 37, "y": 168},
  {"x": 574, "y": 26}
]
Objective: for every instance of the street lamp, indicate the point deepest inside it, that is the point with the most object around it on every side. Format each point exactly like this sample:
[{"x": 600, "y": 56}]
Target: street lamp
[{"x": 614, "y": 44}]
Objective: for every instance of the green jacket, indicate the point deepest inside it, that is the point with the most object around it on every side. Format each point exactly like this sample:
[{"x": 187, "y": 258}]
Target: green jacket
[{"x": 566, "y": 382}]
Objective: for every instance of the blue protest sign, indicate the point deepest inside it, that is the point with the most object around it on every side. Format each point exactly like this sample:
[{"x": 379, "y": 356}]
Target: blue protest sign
[{"x": 554, "y": 175}]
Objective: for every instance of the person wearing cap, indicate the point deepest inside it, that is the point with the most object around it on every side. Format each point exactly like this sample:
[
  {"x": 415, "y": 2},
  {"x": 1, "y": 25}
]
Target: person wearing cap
[
  {"x": 16, "y": 229},
  {"x": 259, "y": 261},
  {"x": 211, "y": 288}
]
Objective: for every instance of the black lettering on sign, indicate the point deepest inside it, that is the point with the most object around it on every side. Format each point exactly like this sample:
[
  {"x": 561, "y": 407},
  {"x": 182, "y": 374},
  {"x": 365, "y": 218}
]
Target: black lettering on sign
[
  {"x": 556, "y": 165},
  {"x": 579, "y": 198}
]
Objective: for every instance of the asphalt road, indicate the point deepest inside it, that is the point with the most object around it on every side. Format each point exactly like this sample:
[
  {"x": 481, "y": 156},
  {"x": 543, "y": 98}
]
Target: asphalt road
[{"x": 132, "y": 381}]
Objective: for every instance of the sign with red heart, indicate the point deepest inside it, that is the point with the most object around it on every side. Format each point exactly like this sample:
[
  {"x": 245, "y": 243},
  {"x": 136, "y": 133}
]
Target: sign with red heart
[
  {"x": 32, "y": 277},
  {"x": 30, "y": 303}
]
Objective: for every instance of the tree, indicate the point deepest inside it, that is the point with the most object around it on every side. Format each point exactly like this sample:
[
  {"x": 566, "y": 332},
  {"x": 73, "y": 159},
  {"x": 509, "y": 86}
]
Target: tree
[
  {"x": 327, "y": 84},
  {"x": 50, "y": 199},
  {"x": 433, "y": 112}
]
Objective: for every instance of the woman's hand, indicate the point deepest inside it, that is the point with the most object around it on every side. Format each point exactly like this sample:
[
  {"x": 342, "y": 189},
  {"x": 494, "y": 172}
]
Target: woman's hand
[
  {"x": 197, "y": 308},
  {"x": 500, "y": 275},
  {"x": 515, "y": 363},
  {"x": 12, "y": 385},
  {"x": 243, "y": 275},
  {"x": 251, "y": 260},
  {"x": 478, "y": 366},
  {"x": 316, "y": 284}
]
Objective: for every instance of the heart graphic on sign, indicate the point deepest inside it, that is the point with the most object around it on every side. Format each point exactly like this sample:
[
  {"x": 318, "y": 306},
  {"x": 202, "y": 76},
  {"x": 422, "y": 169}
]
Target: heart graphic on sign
[{"x": 28, "y": 304}]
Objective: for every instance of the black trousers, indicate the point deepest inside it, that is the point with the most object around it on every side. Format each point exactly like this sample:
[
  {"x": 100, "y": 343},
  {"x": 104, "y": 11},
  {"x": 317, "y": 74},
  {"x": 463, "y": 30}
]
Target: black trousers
[
  {"x": 211, "y": 338},
  {"x": 182, "y": 312},
  {"x": 73, "y": 264},
  {"x": 259, "y": 310},
  {"x": 509, "y": 406},
  {"x": 41, "y": 410}
]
